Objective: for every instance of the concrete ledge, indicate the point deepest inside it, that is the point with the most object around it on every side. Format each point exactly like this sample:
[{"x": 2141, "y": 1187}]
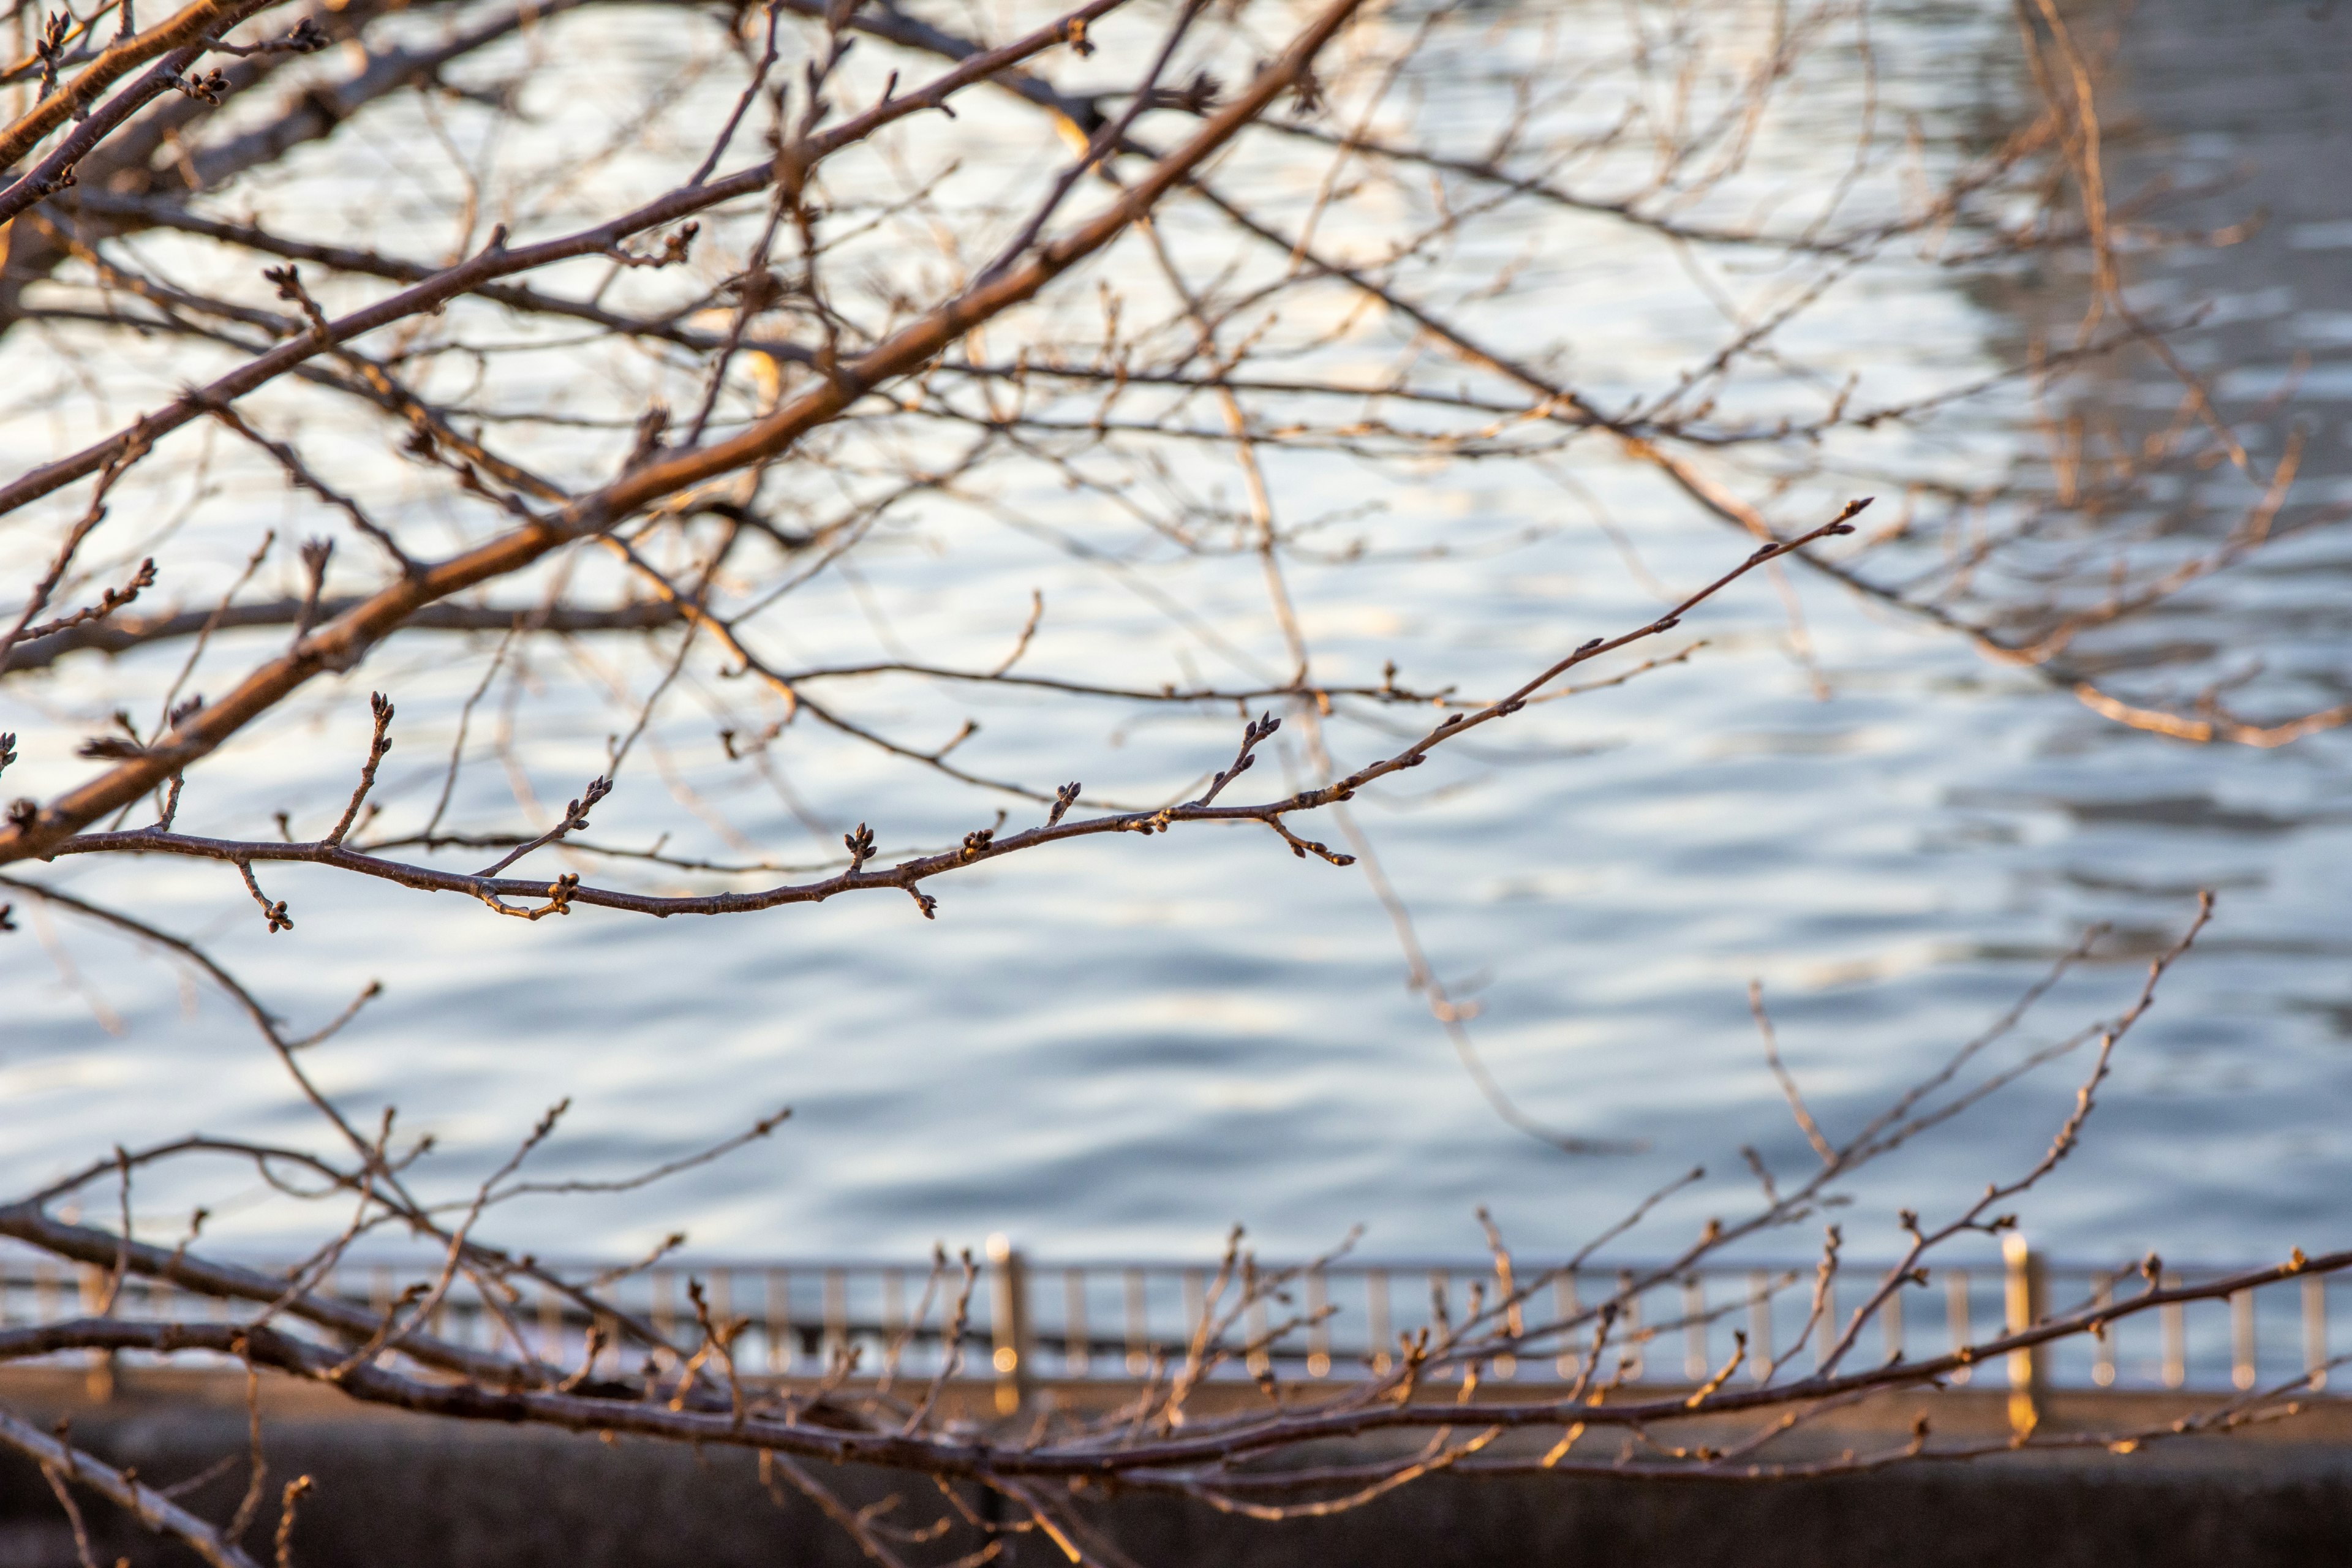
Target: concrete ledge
[{"x": 394, "y": 1489}]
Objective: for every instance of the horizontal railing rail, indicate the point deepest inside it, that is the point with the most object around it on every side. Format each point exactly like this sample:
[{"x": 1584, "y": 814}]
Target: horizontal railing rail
[{"x": 1030, "y": 1321}]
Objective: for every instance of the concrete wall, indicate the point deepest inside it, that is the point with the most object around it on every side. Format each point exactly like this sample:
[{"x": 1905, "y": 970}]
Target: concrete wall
[{"x": 395, "y": 1491}]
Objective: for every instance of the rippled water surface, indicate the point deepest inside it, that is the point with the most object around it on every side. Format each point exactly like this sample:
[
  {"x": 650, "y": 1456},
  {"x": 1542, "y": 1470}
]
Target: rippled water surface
[{"x": 1122, "y": 1047}]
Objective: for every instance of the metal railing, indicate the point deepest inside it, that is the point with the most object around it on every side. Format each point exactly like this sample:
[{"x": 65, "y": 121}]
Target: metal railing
[{"x": 1030, "y": 1321}]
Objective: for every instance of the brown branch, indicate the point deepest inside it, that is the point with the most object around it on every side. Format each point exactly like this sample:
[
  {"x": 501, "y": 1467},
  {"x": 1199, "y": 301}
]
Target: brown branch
[
  {"x": 494, "y": 892},
  {"x": 196, "y": 24},
  {"x": 150, "y": 1508},
  {"x": 342, "y": 642},
  {"x": 496, "y": 261},
  {"x": 121, "y": 634},
  {"x": 1788, "y": 1084}
]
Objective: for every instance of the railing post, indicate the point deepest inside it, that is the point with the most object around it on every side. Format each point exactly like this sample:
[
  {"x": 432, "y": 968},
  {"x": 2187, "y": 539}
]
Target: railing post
[
  {"x": 1078, "y": 1341},
  {"x": 1318, "y": 1325},
  {"x": 1956, "y": 1316},
  {"x": 1629, "y": 1358},
  {"x": 2103, "y": 1365},
  {"x": 1695, "y": 1363},
  {"x": 721, "y": 1295},
  {"x": 834, "y": 1346},
  {"x": 2176, "y": 1334},
  {"x": 1008, "y": 1322},
  {"x": 1565, "y": 1304},
  {"x": 1825, "y": 1334},
  {"x": 2242, "y": 1338},
  {"x": 98, "y": 1382},
  {"x": 2315, "y": 1328},
  {"x": 1139, "y": 1325},
  {"x": 1257, "y": 1357},
  {"x": 778, "y": 1326},
  {"x": 664, "y": 1312},
  {"x": 2027, "y": 1293},
  {"x": 896, "y": 1332}
]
